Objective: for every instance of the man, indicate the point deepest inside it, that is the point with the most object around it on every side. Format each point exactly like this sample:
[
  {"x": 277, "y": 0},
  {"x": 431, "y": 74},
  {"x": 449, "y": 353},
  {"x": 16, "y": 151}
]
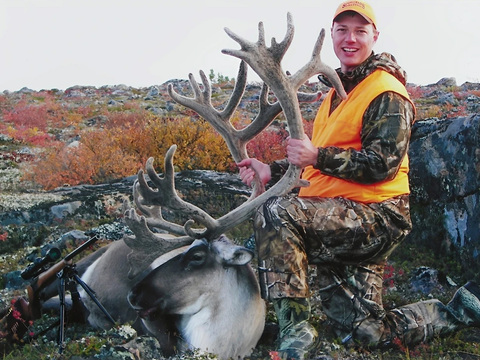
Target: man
[{"x": 355, "y": 211}]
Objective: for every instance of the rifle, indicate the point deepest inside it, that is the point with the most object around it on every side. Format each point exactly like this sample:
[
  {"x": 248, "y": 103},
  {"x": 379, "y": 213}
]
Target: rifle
[
  {"x": 45, "y": 277},
  {"x": 14, "y": 321}
]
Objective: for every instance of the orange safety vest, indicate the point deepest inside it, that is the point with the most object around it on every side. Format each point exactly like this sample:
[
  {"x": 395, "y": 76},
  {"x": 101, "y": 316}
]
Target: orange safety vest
[{"x": 342, "y": 129}]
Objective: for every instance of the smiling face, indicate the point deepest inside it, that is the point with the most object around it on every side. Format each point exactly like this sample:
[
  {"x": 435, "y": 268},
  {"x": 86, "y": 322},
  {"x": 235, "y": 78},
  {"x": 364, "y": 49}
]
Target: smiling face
[{"x": 353, "y": 39}]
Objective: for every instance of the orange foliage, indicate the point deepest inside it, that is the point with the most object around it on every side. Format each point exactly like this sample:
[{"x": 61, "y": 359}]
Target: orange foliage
[
  {"x": 30, "y": 121},
  {"x": 199, "y": 146},
  {"x": 121, "y": 146},
  {"x": 268, "y": 146},
  {"x": 98, "y": 158},
  {"x": 111, "y": 153}
]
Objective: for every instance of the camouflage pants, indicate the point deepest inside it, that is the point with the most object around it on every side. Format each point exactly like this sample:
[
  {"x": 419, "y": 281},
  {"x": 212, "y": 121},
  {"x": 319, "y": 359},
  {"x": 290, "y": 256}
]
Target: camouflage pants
[{"x": 349, "y": 243}]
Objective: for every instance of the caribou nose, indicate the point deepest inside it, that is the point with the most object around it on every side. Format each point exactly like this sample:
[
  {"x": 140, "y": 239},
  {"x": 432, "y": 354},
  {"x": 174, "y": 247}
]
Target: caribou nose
[
  {"x": 132, "y": 297},
  {"x": 145, "y": 308},
  {"x": 133, "y": 301}
]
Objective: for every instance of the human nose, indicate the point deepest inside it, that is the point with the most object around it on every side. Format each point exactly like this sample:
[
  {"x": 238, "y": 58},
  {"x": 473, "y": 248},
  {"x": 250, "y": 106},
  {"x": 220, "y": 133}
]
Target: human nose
[{"x": 351, "y": 37}]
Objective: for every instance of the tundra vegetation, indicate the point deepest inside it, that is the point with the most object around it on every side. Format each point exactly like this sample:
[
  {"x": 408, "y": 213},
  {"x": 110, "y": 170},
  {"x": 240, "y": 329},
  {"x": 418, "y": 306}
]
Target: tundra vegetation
[
  {"x": 85, "y": 135},
  {"x": 48, "y": 123}
]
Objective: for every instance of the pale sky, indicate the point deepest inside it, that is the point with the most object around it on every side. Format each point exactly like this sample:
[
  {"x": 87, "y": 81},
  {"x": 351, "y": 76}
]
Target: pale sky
[{"x": 53, "y": 44}]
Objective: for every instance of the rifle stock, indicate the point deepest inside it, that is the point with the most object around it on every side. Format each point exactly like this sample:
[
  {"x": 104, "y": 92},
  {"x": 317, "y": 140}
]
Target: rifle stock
[{"x": 45, "y": 277}]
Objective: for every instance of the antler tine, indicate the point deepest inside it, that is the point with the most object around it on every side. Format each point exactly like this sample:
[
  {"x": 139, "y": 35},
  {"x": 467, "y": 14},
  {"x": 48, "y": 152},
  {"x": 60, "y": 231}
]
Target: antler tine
[
  {"x": 267, "y": 112},
  {"x": 309, "y": 97},
  {"x": 249, "y": 50},
  {"x": 147, "y": 246},
  {"x": 202, "y": 105},
  {"x": 167, "y": 196},
  {"x": 237, "y": 93},
  {"x": 153, "y": 214},
  {"x": 138, "y": 225},
  {"x": 315, "y": 66}
]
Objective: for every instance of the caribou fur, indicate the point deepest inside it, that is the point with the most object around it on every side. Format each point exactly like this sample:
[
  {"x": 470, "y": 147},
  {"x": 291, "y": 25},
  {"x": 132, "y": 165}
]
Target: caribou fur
[{"x": 206, "y": 293}]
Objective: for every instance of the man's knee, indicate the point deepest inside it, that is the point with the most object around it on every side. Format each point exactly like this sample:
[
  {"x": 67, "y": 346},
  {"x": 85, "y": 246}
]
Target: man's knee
[{"x": 272, "y": 212}]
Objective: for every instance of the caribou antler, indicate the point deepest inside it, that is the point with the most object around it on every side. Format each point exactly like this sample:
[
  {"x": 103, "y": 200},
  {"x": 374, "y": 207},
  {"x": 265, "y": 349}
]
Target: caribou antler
[
  {"x": 236, "y": 139},
  {"x": 265, "y": 61},
  {"x": 151, "y": 246},
  {"x": 153, "y": 215},
  {"x": 166, "y": 195}
]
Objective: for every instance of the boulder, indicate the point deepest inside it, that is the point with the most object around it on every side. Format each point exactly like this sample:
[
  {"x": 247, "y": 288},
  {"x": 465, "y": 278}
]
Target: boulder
[{"x": 445, "y": 182}]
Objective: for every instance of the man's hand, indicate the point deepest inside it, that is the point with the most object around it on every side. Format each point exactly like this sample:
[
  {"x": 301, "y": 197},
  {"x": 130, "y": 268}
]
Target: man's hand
[
  {"x": 301, "y": 152},
  {"x": 250, "y": 167}
]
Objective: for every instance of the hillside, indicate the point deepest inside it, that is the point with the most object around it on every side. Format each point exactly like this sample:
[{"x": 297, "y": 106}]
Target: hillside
[{"x": 57, "y": 122}]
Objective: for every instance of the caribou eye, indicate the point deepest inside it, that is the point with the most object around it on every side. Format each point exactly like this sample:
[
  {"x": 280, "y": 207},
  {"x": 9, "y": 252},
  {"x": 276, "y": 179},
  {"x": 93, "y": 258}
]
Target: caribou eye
[
  {"x": 198, "y": 257},
  {"x": 194, "y": 259}
]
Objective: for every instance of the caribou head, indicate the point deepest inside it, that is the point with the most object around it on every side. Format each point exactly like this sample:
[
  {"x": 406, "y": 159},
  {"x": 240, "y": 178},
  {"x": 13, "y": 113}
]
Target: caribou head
[{"x": 210, "y": 291}]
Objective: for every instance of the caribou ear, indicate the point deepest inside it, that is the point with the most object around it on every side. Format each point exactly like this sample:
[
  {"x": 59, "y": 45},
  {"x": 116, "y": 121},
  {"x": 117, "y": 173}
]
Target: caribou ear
[
  {"x": 238, "y": 256},
  {"x": 242, "y": 256},
  {"x": 231, "y": 254}
]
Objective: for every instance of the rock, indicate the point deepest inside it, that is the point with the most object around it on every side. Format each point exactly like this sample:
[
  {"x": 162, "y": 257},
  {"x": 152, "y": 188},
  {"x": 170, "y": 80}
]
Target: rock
[
  {"x": 153, "y": 92},
  {"x": 65, "y": 209},
  {"x": 448, "y": 98},
  {"x": 25, "y": 90},
  {"x": 445, "y": 159},
  {"x": 426, "y": 280},
  {"x": 450, "y": 81},
  {"x": 445, "y": 182},
  {"x": 13, "y": 280},
  {"x": 6, "y": 138}
]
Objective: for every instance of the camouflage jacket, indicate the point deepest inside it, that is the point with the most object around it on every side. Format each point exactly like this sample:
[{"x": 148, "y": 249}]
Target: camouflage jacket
[{"x": 385, "y": 132}]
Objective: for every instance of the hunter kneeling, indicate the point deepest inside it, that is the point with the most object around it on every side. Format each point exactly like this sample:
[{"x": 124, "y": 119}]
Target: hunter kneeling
[{"x": 355, "y": 211}]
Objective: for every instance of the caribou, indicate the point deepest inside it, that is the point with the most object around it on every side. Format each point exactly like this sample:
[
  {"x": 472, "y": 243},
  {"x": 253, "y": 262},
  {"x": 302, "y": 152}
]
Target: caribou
[
  {"x": 190, "y": 279},
  {"x": 201, "y": 296}
]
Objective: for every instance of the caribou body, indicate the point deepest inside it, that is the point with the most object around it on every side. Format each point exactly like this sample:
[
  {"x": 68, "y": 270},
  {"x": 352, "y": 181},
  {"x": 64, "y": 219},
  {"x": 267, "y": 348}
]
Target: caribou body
[
  {"x": 213, "y": 292},
  {"x": 206, "y": 293}
]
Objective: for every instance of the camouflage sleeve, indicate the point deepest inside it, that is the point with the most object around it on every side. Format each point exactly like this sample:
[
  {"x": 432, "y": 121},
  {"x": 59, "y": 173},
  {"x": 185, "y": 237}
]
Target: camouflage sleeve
[
  {"x": 385, "y": 137},
  {"x": 278, "y": 168}
]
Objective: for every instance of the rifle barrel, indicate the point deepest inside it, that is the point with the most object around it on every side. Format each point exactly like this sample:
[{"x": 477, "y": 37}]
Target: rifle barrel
[{"x": 81, "y": 248}]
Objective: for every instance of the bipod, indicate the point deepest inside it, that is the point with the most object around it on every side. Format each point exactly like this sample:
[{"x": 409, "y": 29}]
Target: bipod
[{"x": 69, "y": 276}]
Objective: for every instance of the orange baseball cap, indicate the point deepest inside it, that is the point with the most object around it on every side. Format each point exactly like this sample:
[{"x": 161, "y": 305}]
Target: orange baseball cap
[{"x": 359, "y": 7}]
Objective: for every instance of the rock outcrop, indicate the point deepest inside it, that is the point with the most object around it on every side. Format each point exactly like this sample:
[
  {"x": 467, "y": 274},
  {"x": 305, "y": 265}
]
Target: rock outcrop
[{"x": 445, "y": 184}]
